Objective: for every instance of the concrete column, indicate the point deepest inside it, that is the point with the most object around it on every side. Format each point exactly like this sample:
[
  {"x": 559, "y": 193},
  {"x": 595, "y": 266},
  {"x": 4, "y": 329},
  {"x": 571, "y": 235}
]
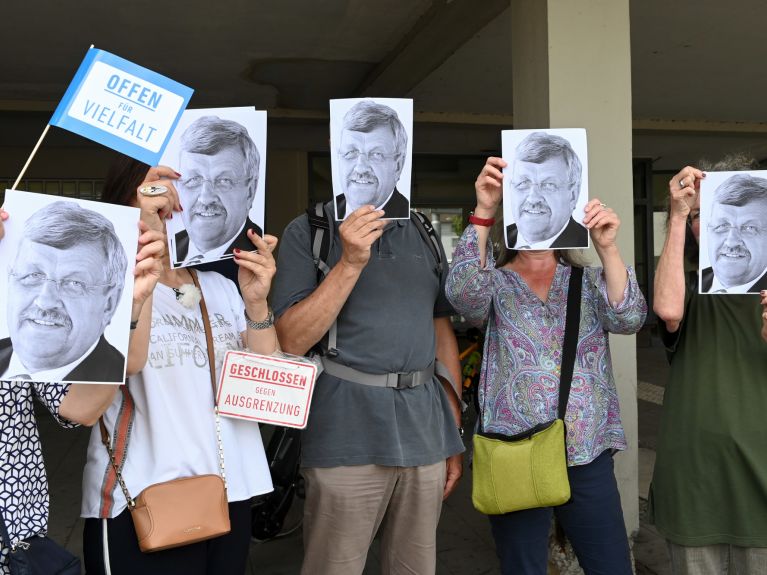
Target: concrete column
[{"x": 572, "y": 69}]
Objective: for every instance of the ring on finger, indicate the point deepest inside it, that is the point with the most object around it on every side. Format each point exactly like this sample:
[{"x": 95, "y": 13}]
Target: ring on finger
[
  {"x": 601, "y": 205},
  {"x": 682, "y": 184},
  {"x": 152, "y": 190}
]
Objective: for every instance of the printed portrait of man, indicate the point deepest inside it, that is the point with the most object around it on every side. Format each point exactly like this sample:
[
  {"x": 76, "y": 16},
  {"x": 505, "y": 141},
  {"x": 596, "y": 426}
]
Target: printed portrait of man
[
  {"x": 544, "y": 190},
  {"x": 64, "y": 286},
  {"x": 737, "y": 237},
  {"x": 219, "y": 164},
  {"x": 371, "y": 154}
]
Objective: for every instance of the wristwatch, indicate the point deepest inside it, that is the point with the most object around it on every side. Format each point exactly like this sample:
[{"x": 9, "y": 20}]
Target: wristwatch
[{"x": 267, "y": 323}]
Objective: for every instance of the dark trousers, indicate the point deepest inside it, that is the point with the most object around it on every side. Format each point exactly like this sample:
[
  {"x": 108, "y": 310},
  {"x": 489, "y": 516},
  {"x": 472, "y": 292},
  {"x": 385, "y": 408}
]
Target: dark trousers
[
  {"x": 225, "y": 555},
  {"x": 592, "y": 521}
]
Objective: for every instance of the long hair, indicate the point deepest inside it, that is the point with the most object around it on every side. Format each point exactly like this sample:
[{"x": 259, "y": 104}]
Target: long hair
[
  {"x": 124, "y": 176},
  {"x": 504, "y": 255}
]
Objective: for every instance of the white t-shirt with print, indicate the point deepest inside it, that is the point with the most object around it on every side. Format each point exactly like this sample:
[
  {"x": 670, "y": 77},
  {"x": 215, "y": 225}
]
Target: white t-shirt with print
[{"x": 172, "y": 433}]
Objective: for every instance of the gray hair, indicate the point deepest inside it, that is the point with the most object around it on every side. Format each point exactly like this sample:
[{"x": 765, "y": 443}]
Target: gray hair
[
  {"x": 741, "y": 189},
  {"x": 539, "y": 147},
  {"x": 367, "y": 115},
  {"x": 735, "y": 162},
  {"x": 210, "y": 134},
  {"x": 63, "y": 225}
]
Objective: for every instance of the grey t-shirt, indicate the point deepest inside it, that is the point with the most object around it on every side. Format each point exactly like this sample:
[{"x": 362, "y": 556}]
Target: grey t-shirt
[{"x": 385, "y": 326}]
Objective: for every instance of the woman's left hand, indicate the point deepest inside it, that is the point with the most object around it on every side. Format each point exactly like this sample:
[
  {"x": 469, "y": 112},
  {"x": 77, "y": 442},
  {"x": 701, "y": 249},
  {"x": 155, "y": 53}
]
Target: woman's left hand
[
  {"x": 256, "y": 268},
  {"x": 603, "y": 224}
]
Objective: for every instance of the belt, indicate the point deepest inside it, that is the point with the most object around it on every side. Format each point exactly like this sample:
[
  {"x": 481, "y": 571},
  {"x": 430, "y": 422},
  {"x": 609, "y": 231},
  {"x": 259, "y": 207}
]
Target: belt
[{"x": 394, "y": 380}]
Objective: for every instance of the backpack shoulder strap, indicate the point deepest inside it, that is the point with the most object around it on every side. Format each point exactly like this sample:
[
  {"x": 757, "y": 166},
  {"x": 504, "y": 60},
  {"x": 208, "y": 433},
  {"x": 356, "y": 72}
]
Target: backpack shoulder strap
[
  {"x": 322, "y": 232},
  {"x": 321, "y": 226},
  {"x": 429, "y": 235}
]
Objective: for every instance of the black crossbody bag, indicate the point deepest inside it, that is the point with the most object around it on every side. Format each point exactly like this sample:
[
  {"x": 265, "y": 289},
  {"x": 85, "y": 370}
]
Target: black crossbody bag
[{"x": 38, "y": 555}]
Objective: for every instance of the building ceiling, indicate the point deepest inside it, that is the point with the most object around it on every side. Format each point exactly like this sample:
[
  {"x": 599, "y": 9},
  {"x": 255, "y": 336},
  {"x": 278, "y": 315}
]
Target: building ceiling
[{"x": 696, "y": 81}]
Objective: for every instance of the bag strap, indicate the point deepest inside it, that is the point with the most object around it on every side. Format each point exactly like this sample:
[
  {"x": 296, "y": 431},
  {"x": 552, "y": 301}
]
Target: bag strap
[
  {"x": 429, "y": 235},
  {"x": 105, "y": 439},
  {"x": 572, "y": 325}
]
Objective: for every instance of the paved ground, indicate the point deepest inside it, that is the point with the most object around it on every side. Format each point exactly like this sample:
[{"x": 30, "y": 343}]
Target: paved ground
[{"x": 465, "y": 544}]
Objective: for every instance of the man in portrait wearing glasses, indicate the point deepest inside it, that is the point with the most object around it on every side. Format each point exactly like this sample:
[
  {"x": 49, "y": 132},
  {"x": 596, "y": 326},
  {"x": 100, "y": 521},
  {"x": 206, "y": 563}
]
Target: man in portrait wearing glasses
[
  {"x": 63, "y": 289},
  {"x": 545, "y": 185},
  {"x": 371, "y": 154},
  {"x": 737, "y": 234},
  {"x": 219, "y": 166}
]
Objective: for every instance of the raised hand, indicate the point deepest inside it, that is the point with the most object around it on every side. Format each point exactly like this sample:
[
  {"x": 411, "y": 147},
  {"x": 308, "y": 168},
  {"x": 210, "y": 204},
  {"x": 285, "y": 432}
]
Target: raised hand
[
  {"x": 358, "y": 233},
  {"x": 489, "y": 187},
  {"x": 603, "y": 224},
  {"x": 156, "y": 208},
  {"x": 256, "y": 269},
  {"x": 151, "y": 248},
  {"x": 3, "y": 217},
  {"x": 683, "y": 191}
]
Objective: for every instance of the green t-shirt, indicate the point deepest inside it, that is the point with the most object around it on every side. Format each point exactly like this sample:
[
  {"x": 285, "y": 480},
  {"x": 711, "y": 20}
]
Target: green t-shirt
[{"x": 710, "y": 479}]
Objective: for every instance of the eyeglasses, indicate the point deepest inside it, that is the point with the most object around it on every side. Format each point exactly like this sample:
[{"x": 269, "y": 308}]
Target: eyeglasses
[
  {"x": 547, "y": 187},
  {"x": 746, "y": 230},
  {"x": 370, "y": 157},
  {"x": 219, "y": 184},
  {"x": 68, "y": 287}
]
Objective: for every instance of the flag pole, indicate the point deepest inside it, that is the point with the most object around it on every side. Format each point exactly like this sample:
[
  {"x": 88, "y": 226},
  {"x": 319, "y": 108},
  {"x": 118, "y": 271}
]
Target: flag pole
[
  {"x": 32, "y": 155},
  {"x": 34, "y": 151}
]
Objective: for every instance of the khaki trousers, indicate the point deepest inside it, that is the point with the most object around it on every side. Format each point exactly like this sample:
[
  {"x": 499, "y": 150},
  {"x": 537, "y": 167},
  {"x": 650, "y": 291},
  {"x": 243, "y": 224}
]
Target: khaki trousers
[
  {"x": 346, "y": 505},
  {"x": 720, "y": 559}
]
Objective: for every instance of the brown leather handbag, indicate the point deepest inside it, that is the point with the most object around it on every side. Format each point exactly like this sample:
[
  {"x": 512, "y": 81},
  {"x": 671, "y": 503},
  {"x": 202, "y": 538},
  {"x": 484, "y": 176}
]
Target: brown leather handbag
[{"x": 188, "y": 509}]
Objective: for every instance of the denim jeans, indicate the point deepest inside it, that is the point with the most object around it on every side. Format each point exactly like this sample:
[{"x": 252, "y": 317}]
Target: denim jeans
[{"x": 592, "y": 521}]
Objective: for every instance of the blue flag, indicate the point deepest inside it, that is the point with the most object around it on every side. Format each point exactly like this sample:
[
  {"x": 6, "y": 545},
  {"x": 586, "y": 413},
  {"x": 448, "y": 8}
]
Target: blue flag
[{"x": 121, "y": 105}]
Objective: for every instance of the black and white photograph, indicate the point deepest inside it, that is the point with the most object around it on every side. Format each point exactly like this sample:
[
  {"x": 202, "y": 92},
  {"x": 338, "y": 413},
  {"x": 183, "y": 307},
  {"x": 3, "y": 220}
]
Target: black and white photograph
[
  {"x": 221, "y": 156},
  {"x": 68, "y": 282},
  {"x": 545, "y": 188},
  {"x": 371, "y": 155},
  {"x": 733, "y": 233}
]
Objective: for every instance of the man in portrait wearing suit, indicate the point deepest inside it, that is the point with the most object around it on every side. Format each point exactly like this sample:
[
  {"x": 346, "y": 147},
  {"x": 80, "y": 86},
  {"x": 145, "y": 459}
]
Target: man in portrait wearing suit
[
  {"x": 63, "y": 289},
  {"x": 219, "y": 164},
  {"x": 545, "y": 185},
  {"x": 737, "y": 237},
  {"x": 372, "y": 153}
]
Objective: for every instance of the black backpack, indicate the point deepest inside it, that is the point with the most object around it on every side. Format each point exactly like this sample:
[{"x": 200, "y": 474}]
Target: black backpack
[{"x": 267, "y": 514}]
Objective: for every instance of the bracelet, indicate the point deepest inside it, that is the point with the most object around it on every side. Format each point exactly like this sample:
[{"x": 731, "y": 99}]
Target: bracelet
[
  {"x": 267, "y": 323},
  {"x": 133, "y": 324},
  {"x": 486, "y": 222}
]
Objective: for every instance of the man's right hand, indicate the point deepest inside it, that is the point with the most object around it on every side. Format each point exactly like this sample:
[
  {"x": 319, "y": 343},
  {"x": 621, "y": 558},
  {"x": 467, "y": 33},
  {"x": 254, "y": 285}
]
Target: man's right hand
[
  {"x": 358, "y": 233},
  {"x": 683, "y": 188}
]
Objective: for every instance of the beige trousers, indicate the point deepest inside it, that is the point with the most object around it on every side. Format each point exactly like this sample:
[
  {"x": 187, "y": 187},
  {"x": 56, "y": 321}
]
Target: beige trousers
[
  {"x": 718, "y": 560},
  {"x": 346, "y": 505}
]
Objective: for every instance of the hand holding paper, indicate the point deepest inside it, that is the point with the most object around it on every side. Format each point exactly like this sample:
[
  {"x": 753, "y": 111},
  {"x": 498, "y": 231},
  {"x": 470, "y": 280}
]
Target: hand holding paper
[
  {"x": 256, "y": 270},
  {"x": 155, "y": 209},
  {"x": 3, "y": 217},
  {"x": 358, "y": 232}
]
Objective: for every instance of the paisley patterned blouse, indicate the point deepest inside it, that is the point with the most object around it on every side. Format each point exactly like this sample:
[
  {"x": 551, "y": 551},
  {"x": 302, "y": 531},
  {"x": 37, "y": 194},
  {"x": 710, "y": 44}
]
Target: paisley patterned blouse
[{"x": 519, "y": 382}]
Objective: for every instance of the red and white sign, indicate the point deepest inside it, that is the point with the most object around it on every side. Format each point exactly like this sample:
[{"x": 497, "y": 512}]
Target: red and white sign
[{"x": 267, "y": 389}]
